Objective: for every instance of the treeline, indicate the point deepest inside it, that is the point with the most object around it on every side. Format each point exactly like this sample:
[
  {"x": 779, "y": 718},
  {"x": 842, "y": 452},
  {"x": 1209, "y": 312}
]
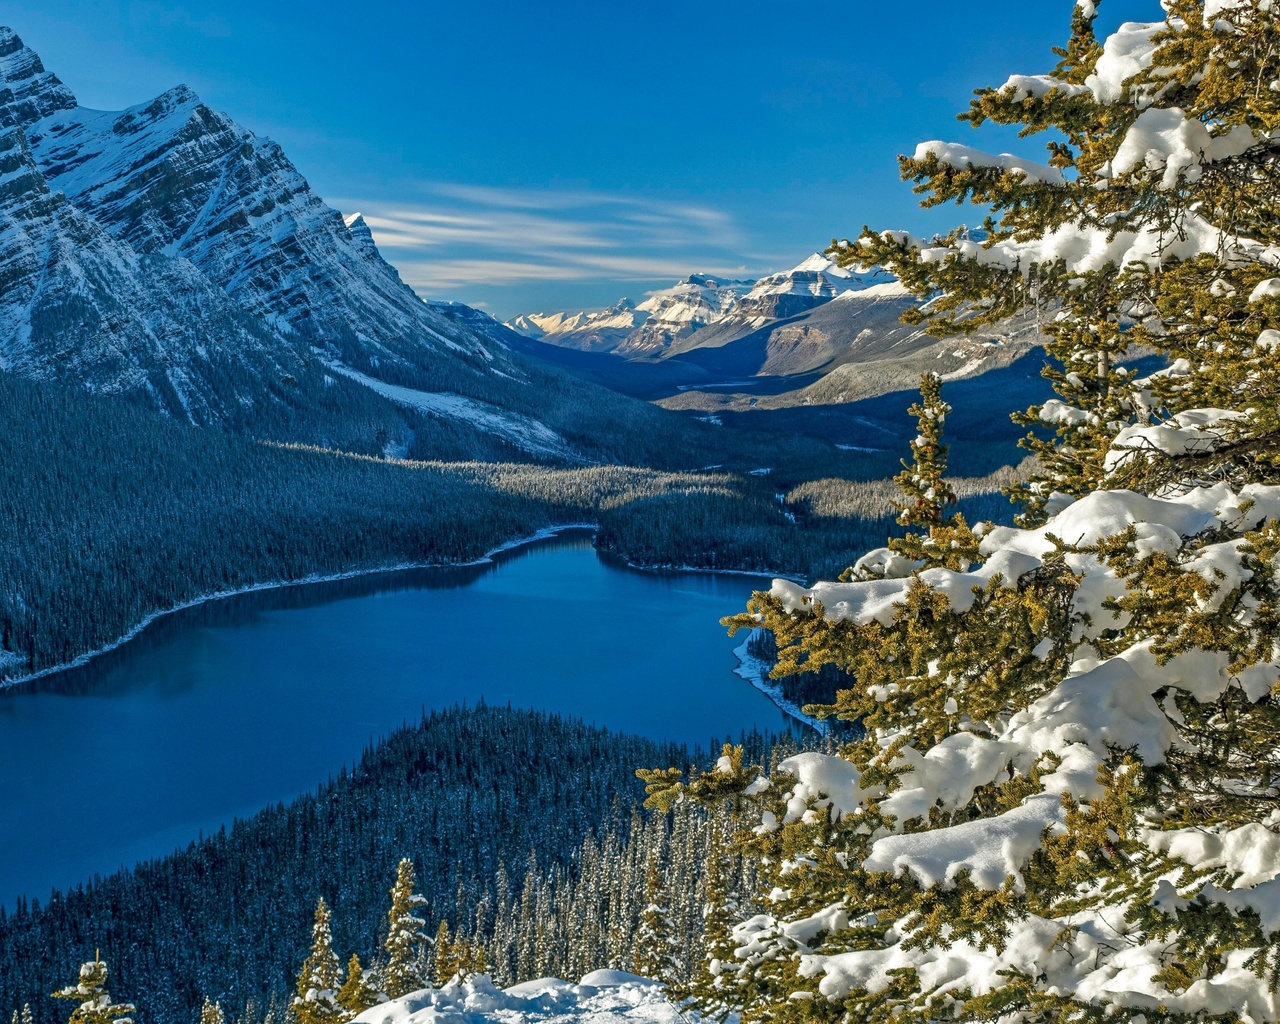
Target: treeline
[
  {"x": 806, "y": 531},
  {"x": 467, "y": 794}
]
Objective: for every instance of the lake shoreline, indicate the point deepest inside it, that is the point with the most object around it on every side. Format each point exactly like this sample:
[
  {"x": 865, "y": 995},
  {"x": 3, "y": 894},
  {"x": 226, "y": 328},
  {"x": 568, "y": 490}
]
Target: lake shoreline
[
  {"x": 756, "y": 671},
  {"x": 546, "y": 533},
  {"x": 539, "y": 536},
  {"x": 238, "y": 704}
]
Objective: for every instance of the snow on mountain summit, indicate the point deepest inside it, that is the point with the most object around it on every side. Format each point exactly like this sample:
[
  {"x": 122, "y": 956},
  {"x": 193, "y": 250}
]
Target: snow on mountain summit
[
  {"x": 672, "y": 315},
  {"x": 29, "y": 91},
  {"x": 808, "y": 284},
  {"x": 166, "y": 251},
  {"x": 172, "y": 176}
]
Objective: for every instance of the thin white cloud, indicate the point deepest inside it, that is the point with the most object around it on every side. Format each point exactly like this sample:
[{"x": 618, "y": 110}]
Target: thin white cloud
[
  {"x": 436, "y": 278},
  {"x": 459, "y": 236}
]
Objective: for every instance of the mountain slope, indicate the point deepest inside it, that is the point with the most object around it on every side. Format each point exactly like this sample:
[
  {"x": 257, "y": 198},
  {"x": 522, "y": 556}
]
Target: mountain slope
[
  {"x": 852, "y": 326},
  {"x": 174, "y": 177},
  {"x": 703, "y": 312},
  {"x": 645, "y": 330},
  {"x": 74, "y": 301},
  {"x": 166, "y": 253}
]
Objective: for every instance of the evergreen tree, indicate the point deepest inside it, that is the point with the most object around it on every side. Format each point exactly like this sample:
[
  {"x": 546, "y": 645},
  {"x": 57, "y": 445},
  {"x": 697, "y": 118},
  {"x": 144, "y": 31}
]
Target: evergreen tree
[
  {"x": 23, "y": 1017},
  {"x": 1061, "y": 808},
  {"x": 405, "y": 934},
  {"x": 444, "y": 963},
  {"x": 359, "y": 991},
  {"x": 211, "y": 1013},
  {"x": 923, "y": 480},
  {"x": 469, "y": 957},
  {"x": 316, "y": 1001},
  {"x": 937, "y": 534},
  {"x": 653, "y": 955},
  {"x": 711, "y": 985},
  {"x": 527, "y": 926},
  {"x": 94, "y": 1002}
]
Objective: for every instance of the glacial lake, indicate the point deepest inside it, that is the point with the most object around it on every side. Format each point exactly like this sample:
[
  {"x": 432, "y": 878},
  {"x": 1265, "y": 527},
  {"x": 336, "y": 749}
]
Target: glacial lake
[{"x": 217, "y": 711}]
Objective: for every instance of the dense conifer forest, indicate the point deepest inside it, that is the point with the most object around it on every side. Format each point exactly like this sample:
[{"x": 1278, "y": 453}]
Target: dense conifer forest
[
  {"x": 523, "y": 831},
  {"x": 111, "y": 513}
]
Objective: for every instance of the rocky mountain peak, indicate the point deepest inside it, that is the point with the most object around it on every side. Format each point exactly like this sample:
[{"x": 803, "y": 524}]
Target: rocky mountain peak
[{"x": 27, "y": 91}]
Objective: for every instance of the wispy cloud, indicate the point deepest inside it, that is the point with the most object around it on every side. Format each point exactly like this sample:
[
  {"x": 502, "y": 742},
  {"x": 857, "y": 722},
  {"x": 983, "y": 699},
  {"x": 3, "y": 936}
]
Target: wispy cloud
[{"x": 460, "y": 237}]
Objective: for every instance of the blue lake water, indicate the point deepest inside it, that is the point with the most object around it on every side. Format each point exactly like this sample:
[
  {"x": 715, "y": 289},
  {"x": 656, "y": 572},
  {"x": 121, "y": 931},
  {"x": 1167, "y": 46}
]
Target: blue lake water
[{"x": 215, "y": 712}]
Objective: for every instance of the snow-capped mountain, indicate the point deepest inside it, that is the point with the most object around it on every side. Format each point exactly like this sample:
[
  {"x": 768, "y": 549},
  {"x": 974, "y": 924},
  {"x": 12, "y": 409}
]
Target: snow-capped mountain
[
  {"x": 811, "y": 283},
  {"x": 702, "y": 309},
  {"x": 681, "y": 311},
  {"x": 644, "y": 329},
  {"x": 588, "y": 332},
  {"x": 166, "y": 251},
  {"x": 837, "y": 332},
  {"x": 173, "y": 177},
  {"x": 76, "y": 302}
]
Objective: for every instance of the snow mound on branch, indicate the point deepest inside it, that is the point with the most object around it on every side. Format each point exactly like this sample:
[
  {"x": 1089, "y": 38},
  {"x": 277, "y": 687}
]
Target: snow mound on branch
[
  {"x": 1127, "y": 52},
  {"x": 990, "y": 849},
  {"x": 1167, "y": 139},
  {"x": 822, "y": 783},
  {"x": 1190, "y": 432},
  {"x": 602, "y": 997},
  {"x": 1268, "y": 289},
  {"x": 965, "y": 156}
]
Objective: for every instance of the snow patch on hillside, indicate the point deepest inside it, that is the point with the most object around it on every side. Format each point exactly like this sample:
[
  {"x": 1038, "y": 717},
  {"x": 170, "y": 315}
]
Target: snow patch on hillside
[{"x": 523, "y": 431}]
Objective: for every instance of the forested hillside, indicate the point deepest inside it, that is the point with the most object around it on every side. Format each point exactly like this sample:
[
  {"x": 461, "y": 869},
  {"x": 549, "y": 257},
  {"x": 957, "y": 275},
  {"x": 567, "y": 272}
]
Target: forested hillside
[
  {"x": 526, "y": 841},
  {"x": 111, "y": 513}
]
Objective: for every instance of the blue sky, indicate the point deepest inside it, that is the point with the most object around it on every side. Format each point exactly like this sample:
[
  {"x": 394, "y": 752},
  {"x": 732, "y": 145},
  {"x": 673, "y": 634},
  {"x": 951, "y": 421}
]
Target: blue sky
[{"x": 538, "y": 156}]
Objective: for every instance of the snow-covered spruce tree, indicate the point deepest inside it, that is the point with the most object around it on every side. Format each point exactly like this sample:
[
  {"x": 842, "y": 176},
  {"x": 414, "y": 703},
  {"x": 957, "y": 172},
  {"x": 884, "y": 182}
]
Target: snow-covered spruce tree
[
  {"x": 937, "y": 534},
  {"x": 653, "y": 953},
  {"x": 1066, "y": 806},
  {"x": 93, "y": 1002},
  {"x": 316, "y": 1001},
  {"x": 405, "y": 935}
]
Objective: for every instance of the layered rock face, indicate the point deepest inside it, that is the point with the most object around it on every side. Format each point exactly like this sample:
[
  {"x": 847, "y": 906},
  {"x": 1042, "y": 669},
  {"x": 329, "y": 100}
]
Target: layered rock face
[
  {"x": 74, "y": 302},
  {"x": 166, "y": 250},
  {"x": 173, "y": 177}
]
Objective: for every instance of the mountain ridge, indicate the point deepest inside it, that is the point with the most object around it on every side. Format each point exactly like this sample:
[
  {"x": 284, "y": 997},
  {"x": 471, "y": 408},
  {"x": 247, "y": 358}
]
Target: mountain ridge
[{"x": 165, "y": 253}]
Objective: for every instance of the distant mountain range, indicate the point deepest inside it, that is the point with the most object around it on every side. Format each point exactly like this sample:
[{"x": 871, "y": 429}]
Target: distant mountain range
[
  {"x": 656, "y": 327},
  {"x": 698, "y": 343},
  {"x": 168, "y": 255}
]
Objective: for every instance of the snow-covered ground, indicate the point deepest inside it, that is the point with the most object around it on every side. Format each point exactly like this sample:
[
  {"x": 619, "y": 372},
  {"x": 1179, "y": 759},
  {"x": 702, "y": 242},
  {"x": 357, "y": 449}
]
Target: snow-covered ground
[
  {"x": 602, "y": 997},
  {"x": 756, "y": 671},
  {"x": 522, "y": 431}
]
